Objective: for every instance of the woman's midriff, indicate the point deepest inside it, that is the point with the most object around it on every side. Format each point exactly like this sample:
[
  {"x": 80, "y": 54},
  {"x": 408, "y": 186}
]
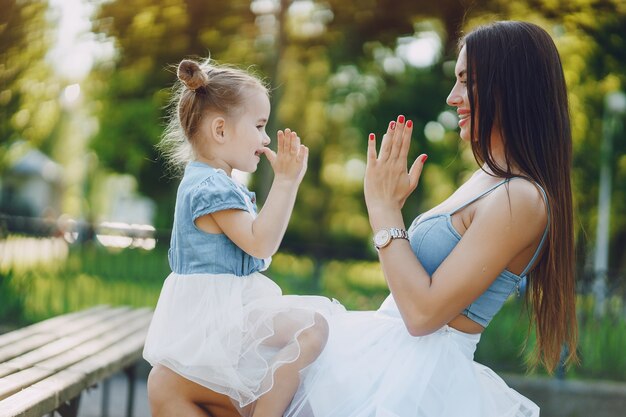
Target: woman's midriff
[{"x": 465, "y": 325}]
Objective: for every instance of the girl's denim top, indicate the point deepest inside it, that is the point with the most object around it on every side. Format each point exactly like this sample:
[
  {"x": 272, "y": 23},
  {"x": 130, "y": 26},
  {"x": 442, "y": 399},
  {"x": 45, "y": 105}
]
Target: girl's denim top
[
  {"x": 204, "y": 190},
  {"x": 433, "y": 238}
]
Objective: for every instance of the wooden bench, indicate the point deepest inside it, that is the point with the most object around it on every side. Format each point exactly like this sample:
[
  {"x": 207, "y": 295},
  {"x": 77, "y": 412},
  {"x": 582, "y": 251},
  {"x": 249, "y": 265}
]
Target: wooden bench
[{"x": 45, "y": 367}]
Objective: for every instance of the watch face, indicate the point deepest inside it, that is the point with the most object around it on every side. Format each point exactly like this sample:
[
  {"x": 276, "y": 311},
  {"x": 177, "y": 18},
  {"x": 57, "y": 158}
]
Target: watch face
[{"x": 382, "y": 238}]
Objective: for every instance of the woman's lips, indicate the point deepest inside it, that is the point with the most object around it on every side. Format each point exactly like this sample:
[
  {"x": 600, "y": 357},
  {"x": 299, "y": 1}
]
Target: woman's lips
[{"x": 464, "y": 116}]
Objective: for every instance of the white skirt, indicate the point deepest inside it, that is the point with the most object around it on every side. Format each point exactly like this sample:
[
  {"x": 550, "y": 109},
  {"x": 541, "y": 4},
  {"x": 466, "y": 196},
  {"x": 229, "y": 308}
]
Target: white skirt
[
  {"x": 372, "y": 367},
  {"x": 229, "y": 333}
]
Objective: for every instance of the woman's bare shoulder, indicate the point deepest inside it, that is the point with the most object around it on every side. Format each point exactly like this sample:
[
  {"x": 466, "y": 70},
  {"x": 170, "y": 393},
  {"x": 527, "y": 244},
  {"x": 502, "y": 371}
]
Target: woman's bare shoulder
[{"x": 522, "y": 202}]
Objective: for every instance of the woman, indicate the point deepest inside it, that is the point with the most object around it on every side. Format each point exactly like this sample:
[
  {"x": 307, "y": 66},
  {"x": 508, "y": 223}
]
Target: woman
[
  {"x": 455, "y": 266},
  {"x": 453, "y": 270}
]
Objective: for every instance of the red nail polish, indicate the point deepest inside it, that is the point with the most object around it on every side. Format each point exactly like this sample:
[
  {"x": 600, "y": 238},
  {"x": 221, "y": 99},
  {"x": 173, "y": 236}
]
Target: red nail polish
[
  {"x": 401, "y": 119},
  {"x": 409, "y": 123},
  {"x": 372, "y": 136},
  {"x": 392, "y": 125},
  {"x": 424, "y": 158}
]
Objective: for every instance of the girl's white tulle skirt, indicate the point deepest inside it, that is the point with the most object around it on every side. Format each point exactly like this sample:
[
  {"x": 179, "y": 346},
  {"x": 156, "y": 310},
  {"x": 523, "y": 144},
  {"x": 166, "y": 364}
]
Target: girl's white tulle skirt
[
  {"x": 229, "y": 333},
  {"x": 372, "y": 367}
]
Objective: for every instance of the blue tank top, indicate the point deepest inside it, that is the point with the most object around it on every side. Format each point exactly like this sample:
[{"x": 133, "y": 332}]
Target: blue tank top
[
  {"x": 204, "y": 190},
  {"x": 433, "y": 238}
]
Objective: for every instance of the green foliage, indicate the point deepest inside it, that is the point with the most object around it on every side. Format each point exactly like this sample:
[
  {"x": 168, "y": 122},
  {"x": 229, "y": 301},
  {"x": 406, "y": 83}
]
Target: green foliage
[
  {"x": 52, "y": 294},
  {"x": 503, "y": 344},
  {"x": 132, "y": 92},
  {"x": 29, "y": 108},
  {"x": 12, "y": 297},
  {"x": 602, "y": 340},
  {"x": 86, "y": 276},
  {"x": 330, "y": 83},
  {"x": 333, "y": 87}
]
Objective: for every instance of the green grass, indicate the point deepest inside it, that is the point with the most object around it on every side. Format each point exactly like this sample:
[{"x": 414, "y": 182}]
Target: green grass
[{"x": 52, "y": 294}]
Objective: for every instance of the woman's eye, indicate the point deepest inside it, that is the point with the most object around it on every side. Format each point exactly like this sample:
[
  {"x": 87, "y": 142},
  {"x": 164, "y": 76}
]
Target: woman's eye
[{"x": 260, "y": 127}]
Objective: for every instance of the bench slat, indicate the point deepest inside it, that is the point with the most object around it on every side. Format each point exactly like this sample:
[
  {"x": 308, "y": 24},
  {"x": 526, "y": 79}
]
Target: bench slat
[
  {"x": 15, "y": 382},
  {"x": 50, "y": 393},
  {"x": 44, "y": 335},
  {"x": 114, "y": 331},
  {"x": 25, "y": 345},
  {"x": 111, "y": 360},
  {"x": 43, "y": 397},
  {"x": 93, "y": 346},
  {"x": 46, "y": 325},
  {"x": 76, "y": 338}
]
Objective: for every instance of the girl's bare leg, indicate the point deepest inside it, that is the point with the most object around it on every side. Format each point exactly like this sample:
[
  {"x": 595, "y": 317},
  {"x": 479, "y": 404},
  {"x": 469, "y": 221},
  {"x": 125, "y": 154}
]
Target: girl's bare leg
[
  {"x": 171, "y": 395},
  {"x": 287, "y": 377}
]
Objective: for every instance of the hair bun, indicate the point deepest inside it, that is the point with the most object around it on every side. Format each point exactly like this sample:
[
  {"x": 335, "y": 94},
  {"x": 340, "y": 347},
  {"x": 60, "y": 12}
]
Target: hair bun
[{"x": 190, "y": 73}]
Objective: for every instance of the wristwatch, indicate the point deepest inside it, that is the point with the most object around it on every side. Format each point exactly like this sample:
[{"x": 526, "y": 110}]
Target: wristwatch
[{"x": 383, "y": 237}]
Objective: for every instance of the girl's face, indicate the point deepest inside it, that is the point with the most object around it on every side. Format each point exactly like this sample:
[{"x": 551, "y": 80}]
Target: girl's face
[
  {"x": 458, "y": 96},
  {"x": 247, "y": 132}
]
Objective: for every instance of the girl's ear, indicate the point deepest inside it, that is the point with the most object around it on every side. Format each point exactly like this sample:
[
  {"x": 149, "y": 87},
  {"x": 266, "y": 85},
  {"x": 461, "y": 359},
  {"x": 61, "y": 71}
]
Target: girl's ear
[{"x": 218, "y": 132}]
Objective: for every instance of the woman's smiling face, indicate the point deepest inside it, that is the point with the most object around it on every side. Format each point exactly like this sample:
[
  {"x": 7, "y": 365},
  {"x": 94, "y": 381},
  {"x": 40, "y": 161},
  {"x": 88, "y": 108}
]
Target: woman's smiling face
[{"x": 458, "y": 96}]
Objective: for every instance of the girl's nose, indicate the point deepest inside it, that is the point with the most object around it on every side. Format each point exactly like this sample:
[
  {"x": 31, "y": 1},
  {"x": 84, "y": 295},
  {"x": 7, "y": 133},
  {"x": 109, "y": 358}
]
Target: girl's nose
[{"x": 266, "y": 140}]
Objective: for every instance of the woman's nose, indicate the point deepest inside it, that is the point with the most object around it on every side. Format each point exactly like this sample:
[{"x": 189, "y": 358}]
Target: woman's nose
[{"x": 454, "y": 99}]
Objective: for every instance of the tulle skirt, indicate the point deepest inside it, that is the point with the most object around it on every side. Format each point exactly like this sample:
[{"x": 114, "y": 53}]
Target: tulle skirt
[
  {"x": 372, "y": 367},
  {"x": 228, "y": 333}
]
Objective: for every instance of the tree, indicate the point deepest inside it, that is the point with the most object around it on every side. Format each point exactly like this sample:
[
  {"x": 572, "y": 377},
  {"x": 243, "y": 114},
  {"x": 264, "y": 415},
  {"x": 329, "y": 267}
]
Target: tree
[
  {"x": 29, "y": 108},
  {"x": 133, "y": 91},
  {"x": 328, "y": 64}
]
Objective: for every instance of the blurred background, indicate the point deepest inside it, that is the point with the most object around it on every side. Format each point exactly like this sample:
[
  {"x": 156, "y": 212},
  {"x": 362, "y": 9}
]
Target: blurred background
[{"x": 86, "y": 203}]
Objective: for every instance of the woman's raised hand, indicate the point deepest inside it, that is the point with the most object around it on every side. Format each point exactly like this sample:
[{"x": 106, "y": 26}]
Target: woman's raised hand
[
  {"x": 289, "y": 162},
  {"x": 387, "y": 181}
]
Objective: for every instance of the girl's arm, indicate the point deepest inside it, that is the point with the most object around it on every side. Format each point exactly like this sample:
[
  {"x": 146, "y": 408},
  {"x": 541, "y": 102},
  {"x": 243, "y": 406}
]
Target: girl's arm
[
  {"x": 504, "y": 226},
  {"x": 261, "y": 236}
]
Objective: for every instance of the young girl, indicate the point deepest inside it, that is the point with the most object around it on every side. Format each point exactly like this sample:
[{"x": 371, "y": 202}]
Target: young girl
[{"x": 219, "y": 323}]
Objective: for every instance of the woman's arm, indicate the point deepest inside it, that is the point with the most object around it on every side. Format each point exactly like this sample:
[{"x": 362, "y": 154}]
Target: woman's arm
[
  {"x": 261, "y": 236},
  {"x": 506, "y": 224}
]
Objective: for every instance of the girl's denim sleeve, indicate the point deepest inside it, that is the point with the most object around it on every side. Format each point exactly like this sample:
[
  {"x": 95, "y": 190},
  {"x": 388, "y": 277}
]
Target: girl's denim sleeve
[{"x": 216, "y": 193}]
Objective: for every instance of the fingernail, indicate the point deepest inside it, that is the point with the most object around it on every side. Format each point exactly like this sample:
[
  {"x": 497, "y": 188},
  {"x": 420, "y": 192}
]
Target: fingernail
[
  {"x": 372, "y": 136},
  {"x": 401, "y": 119},
  {"x": 424, "y": 158},
  {"x": 392, "y": 125},
  {"x": 409, "y": 123}
]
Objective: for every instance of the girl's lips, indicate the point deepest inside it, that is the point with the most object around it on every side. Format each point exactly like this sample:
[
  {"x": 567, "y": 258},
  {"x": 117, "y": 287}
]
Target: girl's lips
[{"x": 463, "y": 122}]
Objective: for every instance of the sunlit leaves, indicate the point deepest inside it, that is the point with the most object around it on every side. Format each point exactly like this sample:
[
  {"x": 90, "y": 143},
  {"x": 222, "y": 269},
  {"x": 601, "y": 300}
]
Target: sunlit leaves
[
  {"x": 29, "y": 108},
  {"x": 340, "y": 69}
]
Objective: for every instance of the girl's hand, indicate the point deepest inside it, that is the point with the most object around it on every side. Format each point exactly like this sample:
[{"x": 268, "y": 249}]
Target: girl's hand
[
  {"x": 387, "y": 182},
  {"x": 289, "y": 162}
]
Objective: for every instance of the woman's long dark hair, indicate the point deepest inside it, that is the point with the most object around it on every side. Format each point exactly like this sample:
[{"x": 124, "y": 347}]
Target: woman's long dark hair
[{"x": 515, "y": 83}]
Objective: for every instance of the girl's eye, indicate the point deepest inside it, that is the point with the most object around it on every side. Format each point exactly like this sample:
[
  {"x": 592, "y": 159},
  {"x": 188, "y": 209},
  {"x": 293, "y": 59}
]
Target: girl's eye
[{"x": 260, "y": 127}]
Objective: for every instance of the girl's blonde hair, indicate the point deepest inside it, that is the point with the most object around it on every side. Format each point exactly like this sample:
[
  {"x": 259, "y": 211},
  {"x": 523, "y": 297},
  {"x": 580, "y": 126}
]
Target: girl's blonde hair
[{"x": 201, "y": 88}]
